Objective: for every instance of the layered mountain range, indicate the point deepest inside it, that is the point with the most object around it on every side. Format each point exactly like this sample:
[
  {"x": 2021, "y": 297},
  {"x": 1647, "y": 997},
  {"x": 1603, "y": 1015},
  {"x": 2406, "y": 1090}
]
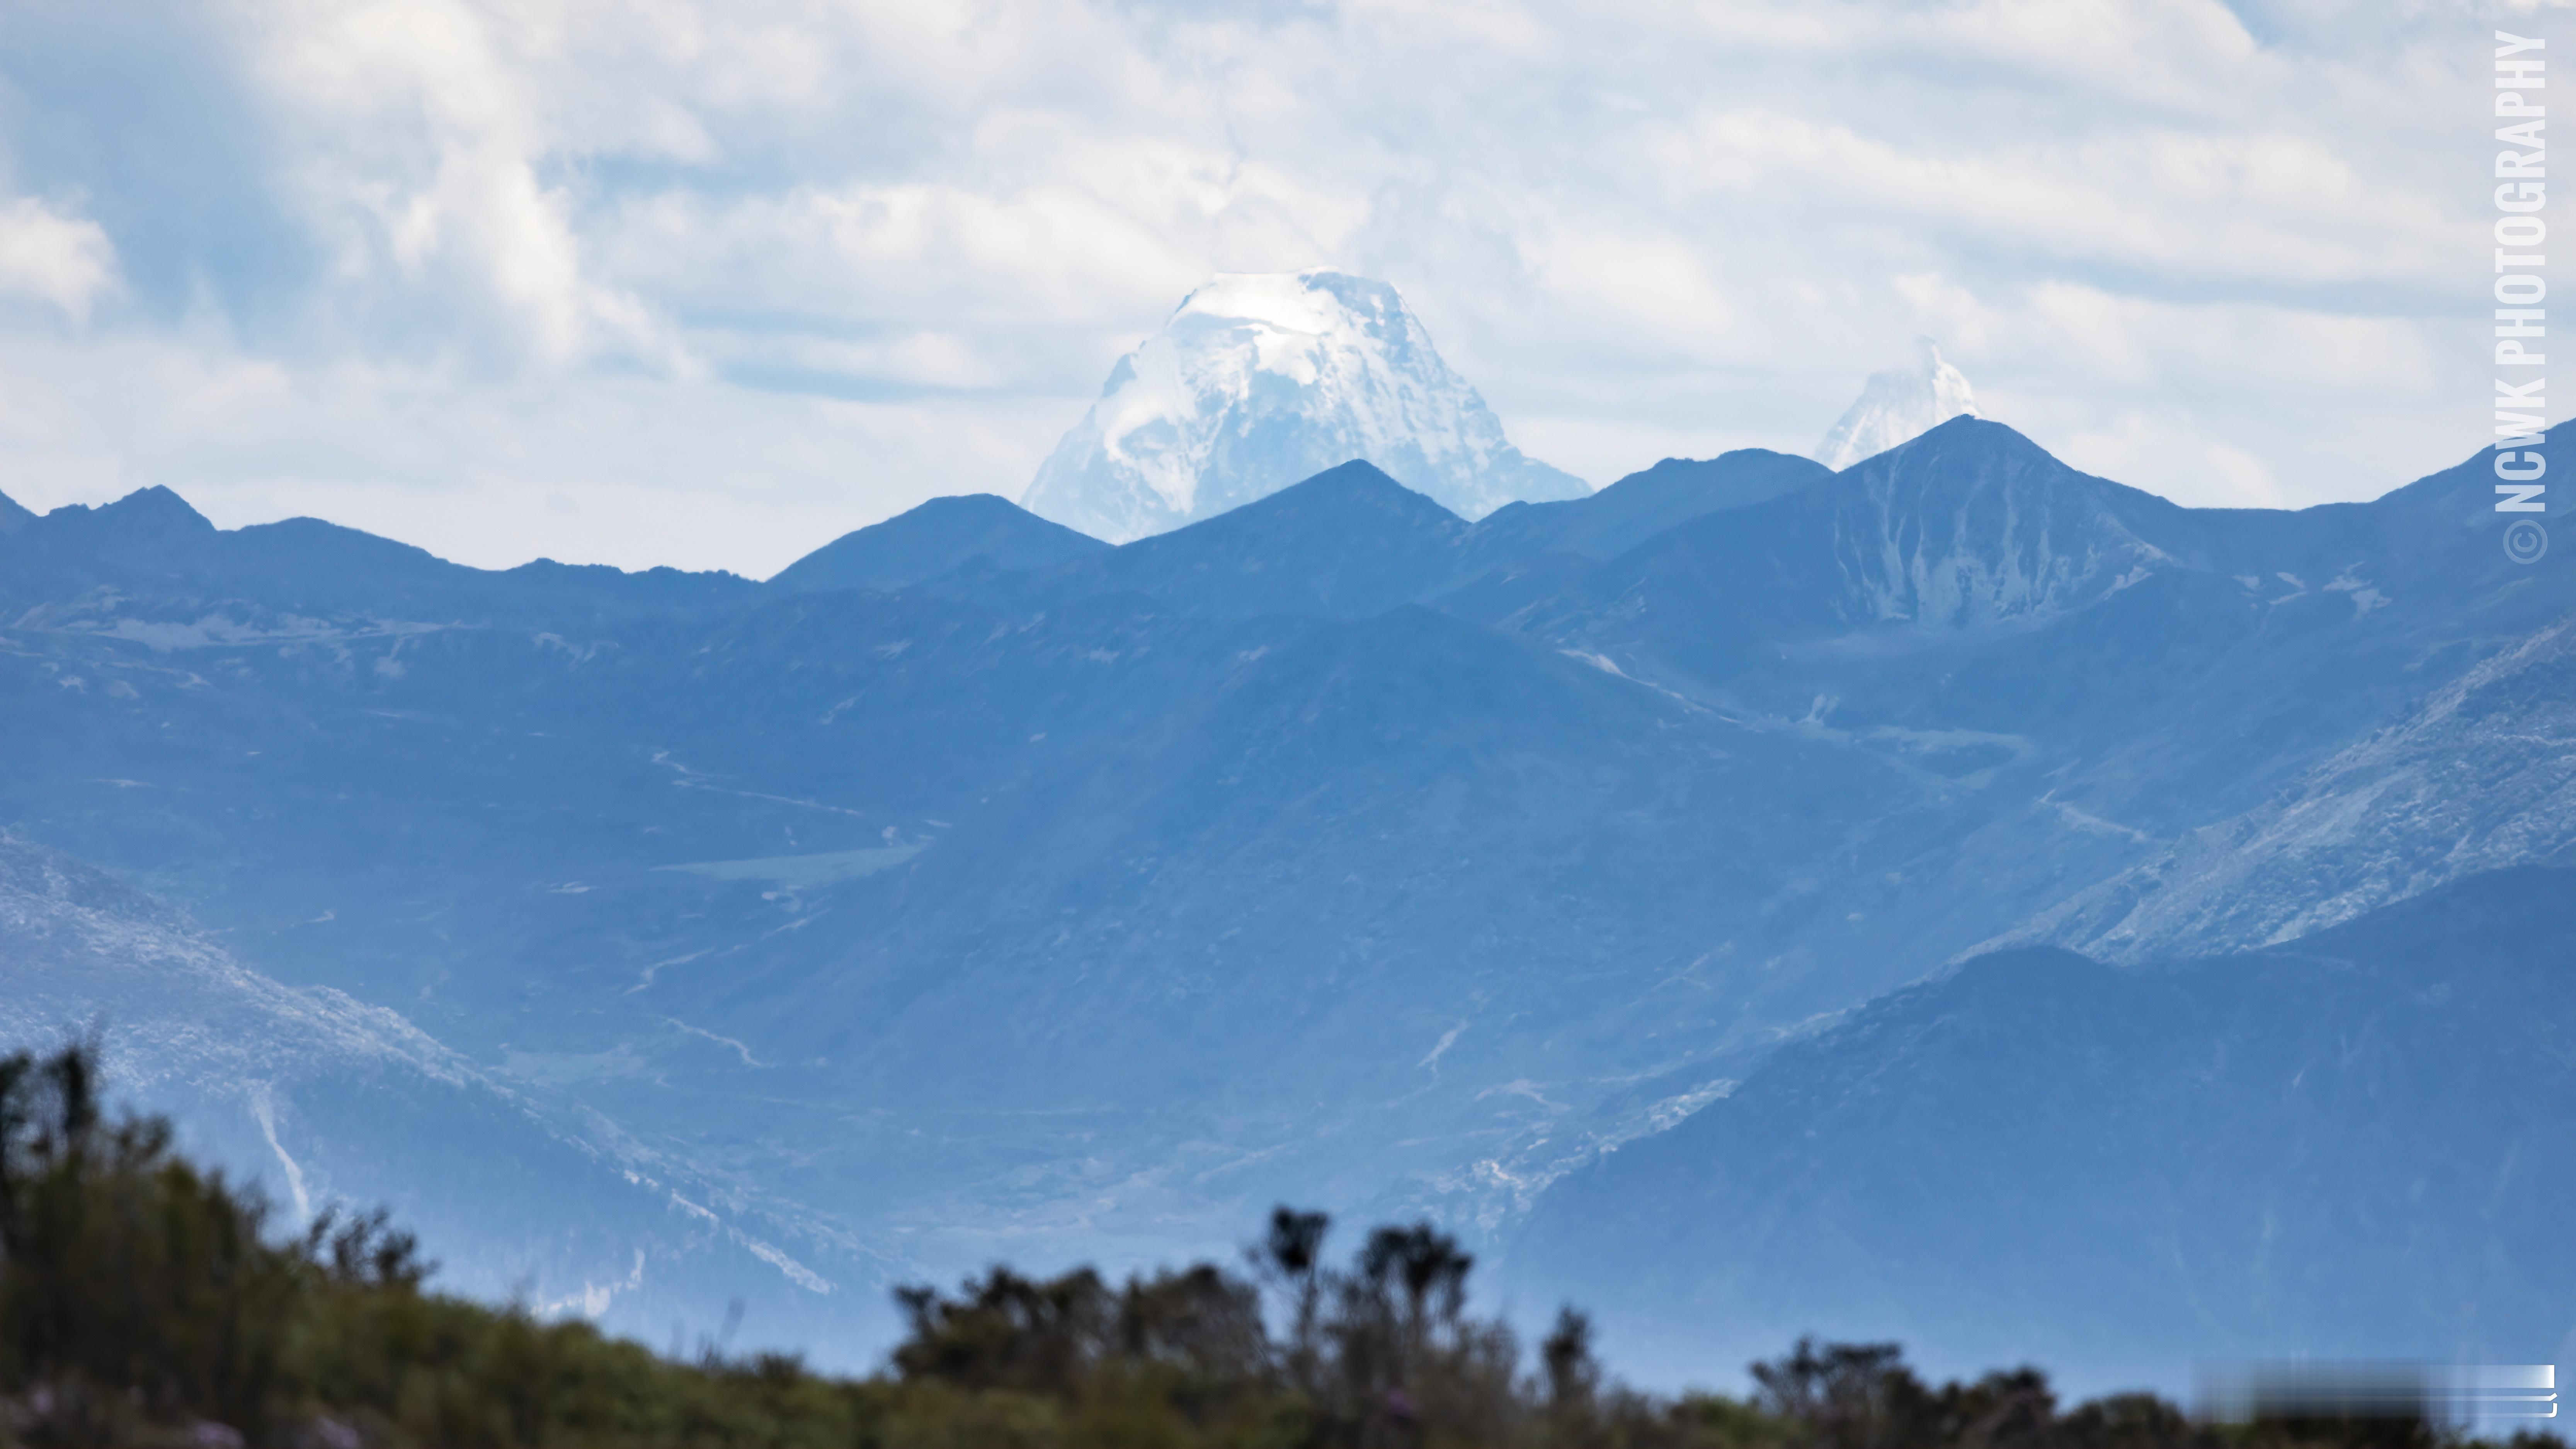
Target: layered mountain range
[
  {"x": 976, "y": 889},
  {"x": 2352, "y": 1145},
  {"x": 331, "y": 1103}
]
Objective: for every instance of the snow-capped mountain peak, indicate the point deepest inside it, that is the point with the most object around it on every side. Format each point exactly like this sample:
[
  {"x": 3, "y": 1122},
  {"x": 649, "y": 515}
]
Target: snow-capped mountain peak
[
  {"x": 1260, "y": 380},
  {"x": 1897, "y": 407}
]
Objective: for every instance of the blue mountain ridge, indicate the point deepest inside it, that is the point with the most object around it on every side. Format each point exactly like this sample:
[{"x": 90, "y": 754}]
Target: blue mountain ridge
[
  {"x": 1331, "y": 850},
  {"x": 2353, "y": 1145},
  {"x": 151, "y": 551},
  {"x": 936, "y": 538}
]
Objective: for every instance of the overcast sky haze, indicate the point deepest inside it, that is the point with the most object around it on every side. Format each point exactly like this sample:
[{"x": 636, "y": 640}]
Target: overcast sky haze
[{"x": 672, "y": 281}]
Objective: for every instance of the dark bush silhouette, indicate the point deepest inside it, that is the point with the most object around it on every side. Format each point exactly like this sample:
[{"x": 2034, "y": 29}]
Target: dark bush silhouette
[
  {"x": 1570, "y": 1377},
  {"x": 1008, "y": 1332},
  {"x": 131, "y": 1285},
  {"x": 142, "y": 1301}
]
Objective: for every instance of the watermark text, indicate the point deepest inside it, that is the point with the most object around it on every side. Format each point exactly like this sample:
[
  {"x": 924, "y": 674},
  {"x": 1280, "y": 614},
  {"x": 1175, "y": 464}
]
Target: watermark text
[{"x": 2521, "y": 285}]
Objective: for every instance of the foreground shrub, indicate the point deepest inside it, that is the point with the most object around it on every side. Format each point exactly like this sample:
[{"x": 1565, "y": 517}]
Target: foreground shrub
[{"x": 144, "y": 1301}]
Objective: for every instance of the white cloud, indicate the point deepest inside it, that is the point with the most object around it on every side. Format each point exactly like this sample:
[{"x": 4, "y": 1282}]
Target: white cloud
[
  {"x": 635, "y": 469},
  {"x": 808, "y": 262},
  {"x": 64, "y": 261},
  {"x": 2163, "y": 453}
]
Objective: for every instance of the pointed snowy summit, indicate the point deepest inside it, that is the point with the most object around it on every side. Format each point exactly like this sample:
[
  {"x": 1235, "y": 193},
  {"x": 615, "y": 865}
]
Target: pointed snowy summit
[
  {"x": 1898, "y": 407},
  {"x": 1260, "y": 380}
]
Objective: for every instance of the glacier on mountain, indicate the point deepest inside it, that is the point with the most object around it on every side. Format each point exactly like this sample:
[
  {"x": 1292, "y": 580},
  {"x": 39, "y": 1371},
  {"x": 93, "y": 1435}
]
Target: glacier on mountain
[
  {"x": 1896, "y": 407},
  {"x": 1259, "y": 380}
]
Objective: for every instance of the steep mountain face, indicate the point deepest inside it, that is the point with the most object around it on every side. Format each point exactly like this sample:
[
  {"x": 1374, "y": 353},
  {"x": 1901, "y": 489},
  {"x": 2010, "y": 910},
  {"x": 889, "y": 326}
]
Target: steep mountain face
[
  {"x": 1973, "y": 526},
  {"x": 939, "y": 537},
  {"x": 1258, "y": 381},
  {"x": 2349, "y": 1146},
  {"x": 1968, "y": 530},
  {"x": 1897, "y": 407},
  {"x": 328, "y": 1102},
  {"x": 1334, "y": 849}
]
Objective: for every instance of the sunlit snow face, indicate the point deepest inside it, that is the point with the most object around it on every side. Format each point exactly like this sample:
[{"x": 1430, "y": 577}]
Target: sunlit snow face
[
  {"x": 1160, "y": 415},
  {"x": 1143, "y": 417},
  {"x": 1896, "y": 406},
  {"x": 1288, "y": 315},
  {"x": 1260, "y": 380},
  {"x": 1220, "y": 340}
]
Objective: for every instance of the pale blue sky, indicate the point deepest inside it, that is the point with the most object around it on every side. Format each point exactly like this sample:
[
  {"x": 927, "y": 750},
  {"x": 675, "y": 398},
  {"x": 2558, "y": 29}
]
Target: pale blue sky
[{"x": 673, "y": 281}]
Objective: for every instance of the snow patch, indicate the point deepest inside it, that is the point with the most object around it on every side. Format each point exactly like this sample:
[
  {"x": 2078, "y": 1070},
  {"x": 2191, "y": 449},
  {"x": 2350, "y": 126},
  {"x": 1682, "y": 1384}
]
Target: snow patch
[
  {"x": 1258, "y": 381},
  {"x": 1898, "y": 407}
]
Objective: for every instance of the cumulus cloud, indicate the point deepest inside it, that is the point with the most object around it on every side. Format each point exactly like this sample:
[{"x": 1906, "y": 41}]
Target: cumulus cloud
[
  {"x": 673, "y": 281},
  {"x": 58, "y": 259}
]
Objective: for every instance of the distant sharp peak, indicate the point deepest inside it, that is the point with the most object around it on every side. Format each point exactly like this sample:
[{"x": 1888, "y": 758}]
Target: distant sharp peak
[
  {"x": 1356, "y": 476},
  {"x": 1349, "y": 494},
  {"x": 1341, "y": 507},
  {"x": 1898, "y": 406},
  {"x": 933, "y": 538},
  {"x": 1259, "y": 380},
  {"x": 146, "y": 513},
  {"x": 1972, "y": 523},
  {"x": 1962, "y": 443},
  {"x": 162, "y": 506}
]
